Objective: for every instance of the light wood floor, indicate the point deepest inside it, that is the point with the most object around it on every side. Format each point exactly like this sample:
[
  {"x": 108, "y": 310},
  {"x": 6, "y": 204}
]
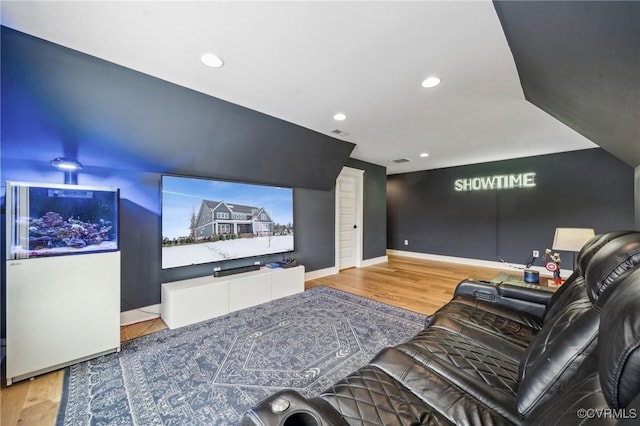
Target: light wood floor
[{"x": 418, "y": 285}]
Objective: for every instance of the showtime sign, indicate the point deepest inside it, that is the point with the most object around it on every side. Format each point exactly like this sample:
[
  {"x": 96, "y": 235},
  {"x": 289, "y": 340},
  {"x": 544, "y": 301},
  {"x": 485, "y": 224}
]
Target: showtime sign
[{"x": 522, "y": 180}]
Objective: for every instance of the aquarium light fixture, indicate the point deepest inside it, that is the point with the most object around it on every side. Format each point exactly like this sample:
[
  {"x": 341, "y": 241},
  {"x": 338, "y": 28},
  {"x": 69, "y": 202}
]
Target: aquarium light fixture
[{"x": 66, "y": 164}]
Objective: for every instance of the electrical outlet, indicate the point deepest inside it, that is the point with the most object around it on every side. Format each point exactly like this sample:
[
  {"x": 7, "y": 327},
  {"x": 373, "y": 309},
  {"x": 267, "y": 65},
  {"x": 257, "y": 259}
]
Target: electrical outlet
[
  {"x": 536, "y": 253},
  {"x": 406, "y": 242}
]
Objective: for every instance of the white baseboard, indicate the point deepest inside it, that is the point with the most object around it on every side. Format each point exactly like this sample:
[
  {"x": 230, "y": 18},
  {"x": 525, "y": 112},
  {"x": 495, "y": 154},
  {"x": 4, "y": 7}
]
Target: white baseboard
[
  {"x": 141, "y": 314},
  {"x": 313, "y": 275},
  {"x": 564, "y": 273},
  {"x": 374, "y": 261}
]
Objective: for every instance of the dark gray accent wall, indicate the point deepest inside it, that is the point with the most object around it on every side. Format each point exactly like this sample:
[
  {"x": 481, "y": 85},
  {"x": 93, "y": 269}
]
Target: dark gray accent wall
[
  {"x": 580, "y": 62},
  {"x": 374, "y": 208},
  {"x": 140, "y": 269},
  {"x": 316, "y": 241},
  {"x": 128, "y": 129},
  {"x": 588, "y": 188}
]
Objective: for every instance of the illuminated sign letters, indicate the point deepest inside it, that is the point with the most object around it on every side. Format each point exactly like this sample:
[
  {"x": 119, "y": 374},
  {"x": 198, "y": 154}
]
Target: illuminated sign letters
[{"x": 522, "y": 180}]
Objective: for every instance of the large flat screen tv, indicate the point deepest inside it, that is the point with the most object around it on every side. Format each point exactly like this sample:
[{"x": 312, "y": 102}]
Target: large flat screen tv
[
  {"x": 55, "y": 220},
  {"x": 205, "y": 220}
]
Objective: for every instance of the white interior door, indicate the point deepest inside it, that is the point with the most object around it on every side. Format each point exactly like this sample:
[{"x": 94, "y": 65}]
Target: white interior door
[
  {"x": 347, "y": 229},
  {"x": 349, "y": 218}
]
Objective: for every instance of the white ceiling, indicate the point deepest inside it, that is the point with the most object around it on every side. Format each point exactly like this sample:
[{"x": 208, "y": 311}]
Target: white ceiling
[{"x": 305, "y": 61}]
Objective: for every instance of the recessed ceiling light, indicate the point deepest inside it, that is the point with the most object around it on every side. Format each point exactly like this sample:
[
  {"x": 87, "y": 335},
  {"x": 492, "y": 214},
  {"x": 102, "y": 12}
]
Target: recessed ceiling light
[
  {"x": 424, "y": 154},
  {"x": 340, "y": 117},
  {"x": 211, "y": 60},
  {"x": 431, "y": 82}
]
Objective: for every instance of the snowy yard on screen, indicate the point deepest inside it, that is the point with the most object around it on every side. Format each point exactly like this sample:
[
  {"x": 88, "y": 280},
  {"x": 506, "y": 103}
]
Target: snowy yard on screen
[{"x": 193, "y": 254}]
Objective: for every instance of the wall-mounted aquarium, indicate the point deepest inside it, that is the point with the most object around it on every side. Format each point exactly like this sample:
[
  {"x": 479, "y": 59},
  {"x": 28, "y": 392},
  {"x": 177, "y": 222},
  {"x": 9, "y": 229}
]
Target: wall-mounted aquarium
[{"x": 56, "y": 220}]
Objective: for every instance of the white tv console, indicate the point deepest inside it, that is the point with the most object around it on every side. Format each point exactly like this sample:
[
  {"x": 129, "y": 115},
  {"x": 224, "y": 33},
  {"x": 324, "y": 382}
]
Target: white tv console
[{"x": 189, "y": 301}]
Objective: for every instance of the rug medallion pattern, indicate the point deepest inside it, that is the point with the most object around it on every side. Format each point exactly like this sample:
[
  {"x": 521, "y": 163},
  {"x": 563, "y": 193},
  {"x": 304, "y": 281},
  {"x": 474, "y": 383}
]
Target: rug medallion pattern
[{"x": 211, "y": 372}]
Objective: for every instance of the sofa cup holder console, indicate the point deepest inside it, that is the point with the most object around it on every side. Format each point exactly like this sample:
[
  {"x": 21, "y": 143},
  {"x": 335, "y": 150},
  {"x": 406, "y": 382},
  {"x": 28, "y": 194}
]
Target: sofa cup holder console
[
  {"x": 301, "y": 418},
  {"x": 290, "y": 408}
]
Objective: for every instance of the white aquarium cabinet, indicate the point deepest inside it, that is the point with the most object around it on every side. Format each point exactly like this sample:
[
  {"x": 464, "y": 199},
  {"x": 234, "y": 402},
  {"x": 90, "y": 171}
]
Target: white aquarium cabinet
[
  {"x": 60, "y": 311},
  {"x": 189, "y": 301}
]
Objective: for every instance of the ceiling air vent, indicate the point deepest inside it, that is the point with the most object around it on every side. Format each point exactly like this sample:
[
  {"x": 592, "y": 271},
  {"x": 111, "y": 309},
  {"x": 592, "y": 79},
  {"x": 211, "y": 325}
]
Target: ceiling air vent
[
  {"x": 339, "y": 132},
  {"x": 400, "y": 160}
]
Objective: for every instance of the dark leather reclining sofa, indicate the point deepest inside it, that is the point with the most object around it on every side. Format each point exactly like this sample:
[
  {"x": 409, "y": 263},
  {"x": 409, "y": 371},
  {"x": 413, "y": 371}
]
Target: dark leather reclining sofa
[{"x": 499, "y": 354}]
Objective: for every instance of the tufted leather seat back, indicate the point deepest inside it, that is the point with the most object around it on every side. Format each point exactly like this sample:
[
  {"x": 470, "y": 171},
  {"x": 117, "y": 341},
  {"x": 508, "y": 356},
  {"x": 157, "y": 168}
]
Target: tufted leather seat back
[
  {"x": 556, "y": 353},
  {"x": 619, "y": 348},
  {"x": 574, "y": 286},
  {"x": 610, "y": 262},
  {"x": 573, "y": 289},
  {"x": 592, "y": 246},
  {"x": 566, "y": 339}
]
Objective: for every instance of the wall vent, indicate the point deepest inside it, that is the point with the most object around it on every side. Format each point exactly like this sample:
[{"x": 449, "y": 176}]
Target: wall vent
[
  {"x": 400, "y": 160},
  {"x": 339, "y": 132}
]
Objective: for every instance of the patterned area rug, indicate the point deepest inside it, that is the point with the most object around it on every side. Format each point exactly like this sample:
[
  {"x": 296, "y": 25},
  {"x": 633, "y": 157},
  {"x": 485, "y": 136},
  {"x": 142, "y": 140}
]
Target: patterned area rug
[{"x": 210, "y": 373}]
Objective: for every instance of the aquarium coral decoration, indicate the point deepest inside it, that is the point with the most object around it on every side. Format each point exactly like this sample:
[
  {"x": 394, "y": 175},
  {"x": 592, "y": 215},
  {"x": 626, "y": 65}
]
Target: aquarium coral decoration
[{"x": 51, "y": 231}]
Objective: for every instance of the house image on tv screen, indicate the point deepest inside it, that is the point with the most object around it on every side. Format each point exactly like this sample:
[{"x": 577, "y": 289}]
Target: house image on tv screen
[{"x": 221, "y": 218}]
